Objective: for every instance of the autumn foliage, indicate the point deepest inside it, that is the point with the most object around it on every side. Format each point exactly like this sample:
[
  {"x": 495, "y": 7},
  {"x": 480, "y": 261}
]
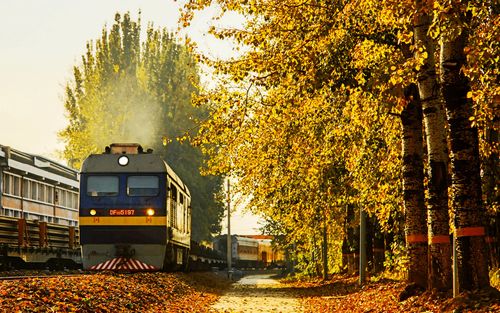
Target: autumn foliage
[
  {"x": 308, "y": 113},
  {"x": 108, "y": 292},
  {"x": 343, "y": 294}
]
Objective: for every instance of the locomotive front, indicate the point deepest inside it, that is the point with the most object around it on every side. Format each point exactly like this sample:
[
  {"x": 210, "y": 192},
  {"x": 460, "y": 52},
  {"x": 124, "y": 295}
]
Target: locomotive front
[{"x": 125, "y": 197}]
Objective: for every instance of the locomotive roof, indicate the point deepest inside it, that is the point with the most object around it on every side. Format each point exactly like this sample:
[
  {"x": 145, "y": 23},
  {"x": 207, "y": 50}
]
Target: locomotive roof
[{"x": 138, "y": 163}]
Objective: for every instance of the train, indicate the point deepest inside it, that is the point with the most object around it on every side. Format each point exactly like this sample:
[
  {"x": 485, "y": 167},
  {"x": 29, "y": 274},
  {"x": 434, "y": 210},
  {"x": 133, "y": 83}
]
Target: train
[
  {"x": 41, "y": 210},
  {"x": 134, "y": 212},
  {"x": 38, "y": 212},
  {"x": 252, "y": 251}
]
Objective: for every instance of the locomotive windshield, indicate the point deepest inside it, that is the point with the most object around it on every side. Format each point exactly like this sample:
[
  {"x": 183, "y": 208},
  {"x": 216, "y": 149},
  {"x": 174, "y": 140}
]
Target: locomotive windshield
[
  {"x": 143, "y": 185},
  {"x": 102, "y": 186}
]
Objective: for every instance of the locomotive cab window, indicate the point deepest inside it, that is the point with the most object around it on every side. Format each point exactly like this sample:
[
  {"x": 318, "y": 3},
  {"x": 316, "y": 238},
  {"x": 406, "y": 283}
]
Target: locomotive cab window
[
  {"x": 143, "y": 185},
  {"x": 98, "y": 186}
]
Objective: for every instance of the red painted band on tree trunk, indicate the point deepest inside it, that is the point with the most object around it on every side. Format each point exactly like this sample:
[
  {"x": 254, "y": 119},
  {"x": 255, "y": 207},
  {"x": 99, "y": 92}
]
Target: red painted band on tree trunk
[
  {"x": 440, "y": 239},
  {"x": 470, "y": 232},
  {"x": 416, "y": 238}
]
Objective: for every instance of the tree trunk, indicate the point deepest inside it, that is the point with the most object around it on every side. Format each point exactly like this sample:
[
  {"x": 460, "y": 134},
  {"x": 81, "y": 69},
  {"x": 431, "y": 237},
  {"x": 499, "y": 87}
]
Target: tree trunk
[
  {"x": 467, "y": 204},
  {"x": 378, "y": 248},
  {"x": 434, "y": 121},
  {"x": 489, "y": 178},
  {"x": 413, "y": 189},
  {"x": 370, "y": 232},
  {"x": 350, "y": 245}
]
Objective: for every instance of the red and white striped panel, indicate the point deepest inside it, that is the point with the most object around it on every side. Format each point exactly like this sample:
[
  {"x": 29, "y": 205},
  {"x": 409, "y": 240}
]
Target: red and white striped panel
[{"x": 123, "y": 264}]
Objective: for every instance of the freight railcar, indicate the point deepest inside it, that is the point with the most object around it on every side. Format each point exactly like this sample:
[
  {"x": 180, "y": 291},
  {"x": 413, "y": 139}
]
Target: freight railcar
[
  {"x": 135, "y": 212},
  {"x": 38, "y": 211}
]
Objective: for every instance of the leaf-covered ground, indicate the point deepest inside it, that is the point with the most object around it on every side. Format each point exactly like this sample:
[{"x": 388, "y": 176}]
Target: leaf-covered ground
[
  {"x": 342, "y": 294},
  {"x": 258, "y": 293},
  {"x": 196, "y": 292},
  {"x": 109, "y": 292}
]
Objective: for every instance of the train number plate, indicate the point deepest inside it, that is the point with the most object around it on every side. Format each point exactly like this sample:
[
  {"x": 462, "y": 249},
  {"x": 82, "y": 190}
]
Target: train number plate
[{"x": 122, "y": 212}]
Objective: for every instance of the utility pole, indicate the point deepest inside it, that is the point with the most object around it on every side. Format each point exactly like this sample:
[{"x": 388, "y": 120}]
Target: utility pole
[
  {"x": 362, "y": 247},
  {"x": 229, "y": 250},
  {"x": 325, "y": 248},
  {"x": 456, "y": 288}
]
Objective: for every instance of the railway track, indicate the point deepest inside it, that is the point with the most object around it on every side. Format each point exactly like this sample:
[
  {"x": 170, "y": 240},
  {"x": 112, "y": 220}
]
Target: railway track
[
  {"x": 20, "y": 274},
  {"x": 21, "y": 277},
  {"x": 197, "y": 264}
]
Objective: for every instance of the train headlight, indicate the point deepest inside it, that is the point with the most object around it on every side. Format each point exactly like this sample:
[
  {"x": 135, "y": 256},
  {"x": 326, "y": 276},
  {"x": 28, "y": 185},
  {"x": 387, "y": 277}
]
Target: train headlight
[
  {"x": 123, "y": 160},
  {"x": 150, "y": 212},
  {"x": 93, "y": 212}
]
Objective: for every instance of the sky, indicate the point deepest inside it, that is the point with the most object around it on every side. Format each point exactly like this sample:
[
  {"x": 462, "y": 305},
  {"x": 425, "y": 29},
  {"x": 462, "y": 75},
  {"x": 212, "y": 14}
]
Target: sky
[{"x": 41, "y": 41}]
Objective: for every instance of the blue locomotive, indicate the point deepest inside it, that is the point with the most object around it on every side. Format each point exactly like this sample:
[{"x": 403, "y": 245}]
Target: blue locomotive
[{"x": 135, "y": 212}]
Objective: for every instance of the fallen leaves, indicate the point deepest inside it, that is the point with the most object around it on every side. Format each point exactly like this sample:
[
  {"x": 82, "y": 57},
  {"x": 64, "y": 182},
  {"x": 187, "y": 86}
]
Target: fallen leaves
[
  {"x": 343, "y": 294},
  {"x": 111, "y": 292},
  {"x": 196, "y": 292}
]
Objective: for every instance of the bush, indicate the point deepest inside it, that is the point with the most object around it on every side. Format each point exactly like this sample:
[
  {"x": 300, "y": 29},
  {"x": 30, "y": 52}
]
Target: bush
[{"x": 396, "y": 261}]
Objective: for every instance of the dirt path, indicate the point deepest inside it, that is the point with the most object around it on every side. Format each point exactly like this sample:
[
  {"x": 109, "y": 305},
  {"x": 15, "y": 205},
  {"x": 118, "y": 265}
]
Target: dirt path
[{"x": 257, "y": 293}]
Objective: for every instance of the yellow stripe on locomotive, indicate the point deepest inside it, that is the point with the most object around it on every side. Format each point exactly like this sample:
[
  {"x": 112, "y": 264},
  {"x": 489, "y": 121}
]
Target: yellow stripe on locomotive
[{"x": 123, "y": 221}]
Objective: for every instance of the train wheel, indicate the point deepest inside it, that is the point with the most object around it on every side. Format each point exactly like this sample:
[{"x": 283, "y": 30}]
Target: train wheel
[
  {"x": 169, "y": 263},
  {"x": 185, "y": 260}
]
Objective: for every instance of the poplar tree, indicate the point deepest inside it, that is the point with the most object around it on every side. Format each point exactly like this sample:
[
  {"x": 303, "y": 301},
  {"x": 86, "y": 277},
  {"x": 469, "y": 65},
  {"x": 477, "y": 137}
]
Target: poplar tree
[
  {"x": 437, "y": 152},
  {"x": 126, "y": 90},
  {"x": 468, "y": 209}
]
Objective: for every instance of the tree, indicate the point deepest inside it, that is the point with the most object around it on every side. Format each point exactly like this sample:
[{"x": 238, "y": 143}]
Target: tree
[
  {"x": 413, "y": 189},
  {"x": 307, "y": 107},
  {"x": 482, "y": 70},
  {"x": 299, "y": 113},
  {"x": 465, "y": 170},
  {"x": 128, "y": 91},
  {"x": 437, "y": 153}
]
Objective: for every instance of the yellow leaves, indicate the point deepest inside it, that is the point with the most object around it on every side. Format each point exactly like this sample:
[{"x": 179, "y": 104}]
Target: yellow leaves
[
  {"x": 328, "y": 76},
  {"x": 387, "y": 16},
  {"x": 482, "y": 70},
  {"x": 434, "y": 30},
  {"x": 360, "y": 78},
  {"x": 471, "y": 119},
  {"x": 405, "y": 37},
  {"x": 165, "y": 140},
  {"x": 420, "y": 58}
]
